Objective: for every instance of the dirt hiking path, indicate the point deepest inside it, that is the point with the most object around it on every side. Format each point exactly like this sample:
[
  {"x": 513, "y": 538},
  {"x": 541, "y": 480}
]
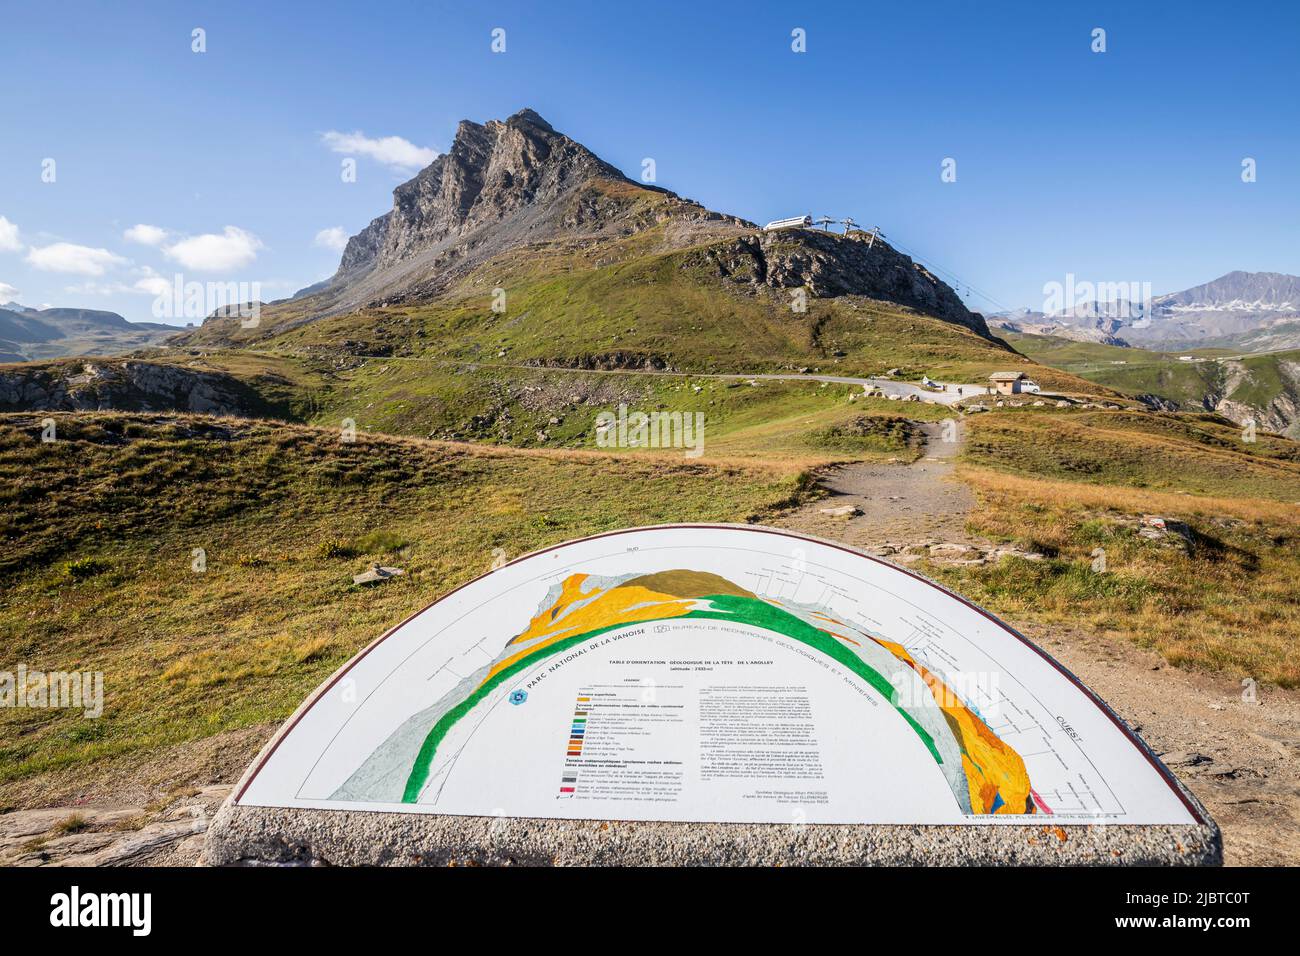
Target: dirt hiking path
[
  {"x": 897, "y": 504},
  {"x": 1241, "y": 759}
]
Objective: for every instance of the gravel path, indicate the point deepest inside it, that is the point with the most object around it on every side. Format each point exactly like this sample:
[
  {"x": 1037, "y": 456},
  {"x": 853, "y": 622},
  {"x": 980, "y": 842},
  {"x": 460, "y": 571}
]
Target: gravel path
[{"x": 919, "y": 503}]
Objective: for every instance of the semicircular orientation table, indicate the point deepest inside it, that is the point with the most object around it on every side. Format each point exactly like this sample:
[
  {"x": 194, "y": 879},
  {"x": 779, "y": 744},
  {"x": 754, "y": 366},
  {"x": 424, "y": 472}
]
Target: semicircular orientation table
[{"x": 736, "y": 678}]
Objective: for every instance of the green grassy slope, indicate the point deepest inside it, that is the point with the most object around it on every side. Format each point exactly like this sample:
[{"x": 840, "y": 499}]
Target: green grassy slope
[
  {"x": 458, "y": 368},
  {"x": 455, "y": 368},
  {"x": 662, "y": 310},
  {"x": 1268, "y": 377},
  {"x": 247, "y": 384},
  {"x": 543, "y": 407},
  {"x": 1263, "y": 382},
  {"x": 1129, "y": 370}
]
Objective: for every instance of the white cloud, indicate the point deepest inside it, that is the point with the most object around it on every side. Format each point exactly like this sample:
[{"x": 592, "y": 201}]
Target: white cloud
[
  {"x": 155, "y": 287},
  {"x": 93, "y": 288},
  {"x": 9, "y": 236},
  {"x": 335, "y": 238},
  {"x": 389, "y": 150},
  {"x": 149, "y": 283},
  {"x": 145, "y": 234},
  {"x": 233, "y": 248},
  {"x": 152, "y": 284},
  {"x": 8, "y": 293},
  {"x": 70, "y": 257}
]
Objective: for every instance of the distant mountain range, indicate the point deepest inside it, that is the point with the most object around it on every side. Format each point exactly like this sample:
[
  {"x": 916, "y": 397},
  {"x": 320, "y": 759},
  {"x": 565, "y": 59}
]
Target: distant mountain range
[
  {"x": 1248, "y": 311},
  {"x": 28, "y": 334},
  {"x": 1098, "y": 328}
]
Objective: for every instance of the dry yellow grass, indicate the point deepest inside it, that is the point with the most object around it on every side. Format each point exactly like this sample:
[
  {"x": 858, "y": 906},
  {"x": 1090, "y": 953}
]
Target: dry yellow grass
[
  {"x": 1201, "y": 455},
  {"x": 1131, "y": 500},
  {"x": 1230, "y": 602}
]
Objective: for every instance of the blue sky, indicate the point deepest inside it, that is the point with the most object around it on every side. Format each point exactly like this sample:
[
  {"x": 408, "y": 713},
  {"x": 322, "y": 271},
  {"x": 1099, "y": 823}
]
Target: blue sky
[{"x": 1115, "y": 166}]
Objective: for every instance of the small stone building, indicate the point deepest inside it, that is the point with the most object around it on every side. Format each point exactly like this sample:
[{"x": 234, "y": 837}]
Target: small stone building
[{"x": 1008, "y": 383}]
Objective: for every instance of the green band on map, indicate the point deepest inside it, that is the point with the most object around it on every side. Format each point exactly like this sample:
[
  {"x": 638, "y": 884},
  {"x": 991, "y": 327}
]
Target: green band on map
[{"x": 722, "y": 607}]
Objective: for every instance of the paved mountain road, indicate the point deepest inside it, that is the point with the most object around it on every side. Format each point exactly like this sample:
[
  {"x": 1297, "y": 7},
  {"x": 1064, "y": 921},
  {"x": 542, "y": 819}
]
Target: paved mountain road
[{"x": 950, "y": 394}]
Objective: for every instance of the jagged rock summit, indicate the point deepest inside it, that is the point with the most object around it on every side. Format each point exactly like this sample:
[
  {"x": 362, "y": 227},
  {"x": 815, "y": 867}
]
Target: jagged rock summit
[{"x": 501, "y": 184}]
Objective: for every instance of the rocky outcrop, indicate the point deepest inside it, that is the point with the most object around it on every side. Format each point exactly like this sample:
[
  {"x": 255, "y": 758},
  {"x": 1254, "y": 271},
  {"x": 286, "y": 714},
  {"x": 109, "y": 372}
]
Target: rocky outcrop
[
  {"x": 122, "y": 386},
  {"x": 361, "y": 252},
  {"x": 1281, "y": 415},
  {"x": 827, "y": 264},
  {"x": 1158, "y": 404},
  {"x": 119, "y": 835},
  {"x": 951, "y": 552},
  {"x": 1274, "y": 408}
]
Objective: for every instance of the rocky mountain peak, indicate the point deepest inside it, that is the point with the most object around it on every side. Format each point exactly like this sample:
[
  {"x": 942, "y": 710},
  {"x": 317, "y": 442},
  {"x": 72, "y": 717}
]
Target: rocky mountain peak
[
  {"x": 501, "y": 184},
  {"x": 1238, "y": 291},
  {"x": 526, "y": 117}
]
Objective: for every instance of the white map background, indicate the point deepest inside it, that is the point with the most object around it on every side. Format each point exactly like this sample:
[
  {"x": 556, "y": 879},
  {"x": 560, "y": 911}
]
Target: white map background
[{"x": 510, "y": 759}]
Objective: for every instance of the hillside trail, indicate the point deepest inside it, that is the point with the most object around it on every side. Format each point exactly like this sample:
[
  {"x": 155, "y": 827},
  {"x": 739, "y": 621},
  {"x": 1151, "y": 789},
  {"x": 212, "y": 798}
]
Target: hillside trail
[
  {"x": 1240, "y": 758},
  {"x": 897, "y": 504}
]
